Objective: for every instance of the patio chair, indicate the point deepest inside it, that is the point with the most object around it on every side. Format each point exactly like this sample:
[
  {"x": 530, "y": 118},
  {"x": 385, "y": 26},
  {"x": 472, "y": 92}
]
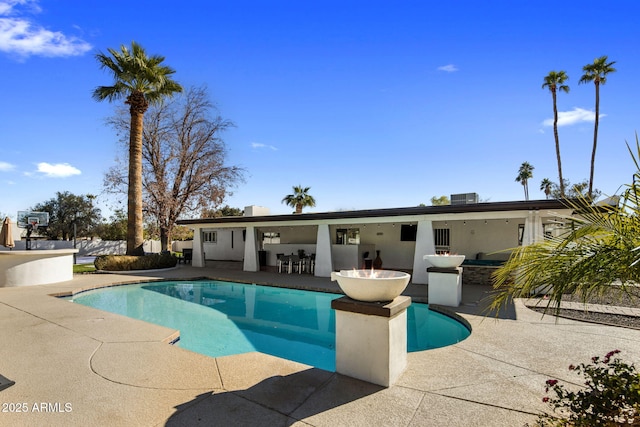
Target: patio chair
[
  {"x": 311, "y": 264},
  {"x": 282, "y": 261},
  {"x": 187, "y": 255},
  {"x": 295, "y": 263}
]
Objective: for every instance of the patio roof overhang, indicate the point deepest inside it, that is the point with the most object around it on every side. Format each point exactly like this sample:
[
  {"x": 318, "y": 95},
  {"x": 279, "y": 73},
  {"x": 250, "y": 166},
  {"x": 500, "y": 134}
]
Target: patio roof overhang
[{"x": 495, "y": 210}]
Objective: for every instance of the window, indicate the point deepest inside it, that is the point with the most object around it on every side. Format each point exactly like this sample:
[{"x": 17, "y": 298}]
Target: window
[
  {"x": 271, "y": 237},
  {"x": 520, "y": 234},
  {"x": 408, "y": 232},
  {"x": 209, "y": 237},
  {"x": 347, "y": 236},
  {"x": 441, "y": 240}
]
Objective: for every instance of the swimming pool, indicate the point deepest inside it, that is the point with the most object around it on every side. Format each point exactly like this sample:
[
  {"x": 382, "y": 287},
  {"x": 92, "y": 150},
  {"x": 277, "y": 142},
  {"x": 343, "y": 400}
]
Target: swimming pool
[{"x": 223, "y": 318}]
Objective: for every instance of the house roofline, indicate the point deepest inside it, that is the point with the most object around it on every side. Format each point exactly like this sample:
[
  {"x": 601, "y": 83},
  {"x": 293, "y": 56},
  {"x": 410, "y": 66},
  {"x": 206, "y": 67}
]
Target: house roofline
[{"x": 377, "y": 213}]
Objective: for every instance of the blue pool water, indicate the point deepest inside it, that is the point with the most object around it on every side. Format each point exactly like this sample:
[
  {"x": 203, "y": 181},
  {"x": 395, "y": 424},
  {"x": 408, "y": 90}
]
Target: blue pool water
[{"x": 223, "y": 318}]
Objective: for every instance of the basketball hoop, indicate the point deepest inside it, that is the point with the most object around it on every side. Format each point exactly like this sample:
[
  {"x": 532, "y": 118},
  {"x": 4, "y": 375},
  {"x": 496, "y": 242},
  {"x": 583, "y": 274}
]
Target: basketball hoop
[{"x": 32, "y": 221}]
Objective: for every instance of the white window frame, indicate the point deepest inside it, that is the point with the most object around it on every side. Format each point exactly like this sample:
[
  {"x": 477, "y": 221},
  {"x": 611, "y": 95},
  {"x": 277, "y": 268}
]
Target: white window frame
[{"x": 209, "y": 237}]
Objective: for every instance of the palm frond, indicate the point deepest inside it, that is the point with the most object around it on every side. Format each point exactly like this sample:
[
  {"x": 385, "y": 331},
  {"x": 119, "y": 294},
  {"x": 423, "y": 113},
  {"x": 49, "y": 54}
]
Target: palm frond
[{"x": 133, "y": 71}]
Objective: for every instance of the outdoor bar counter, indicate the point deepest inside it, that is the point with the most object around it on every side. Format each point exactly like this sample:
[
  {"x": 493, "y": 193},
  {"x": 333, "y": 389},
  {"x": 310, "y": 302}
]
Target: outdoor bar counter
[{"x": 36, "y": 267}]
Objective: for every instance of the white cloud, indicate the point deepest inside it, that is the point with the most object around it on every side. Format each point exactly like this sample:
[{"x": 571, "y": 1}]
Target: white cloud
[
  {"x": 258, "y": 145},
  {"x": 20, "y": 36},
  {"x": 6, "y": 167},
  {"x": 577, "y": 115},
  {"x": 449, "y": 68},
  {"x": 59, "y": 170},
  {"x": 6, "y": 6}
]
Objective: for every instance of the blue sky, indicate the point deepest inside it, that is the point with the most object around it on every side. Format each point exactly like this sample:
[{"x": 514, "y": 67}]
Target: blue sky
[{"x": 372, "y": 104}]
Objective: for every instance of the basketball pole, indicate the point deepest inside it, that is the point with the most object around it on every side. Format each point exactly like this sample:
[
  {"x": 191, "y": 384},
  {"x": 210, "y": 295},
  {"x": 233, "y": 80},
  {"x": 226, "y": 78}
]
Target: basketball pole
[
  {"x": 29, "y": 231},
  {"x": 74, "y": 243}
]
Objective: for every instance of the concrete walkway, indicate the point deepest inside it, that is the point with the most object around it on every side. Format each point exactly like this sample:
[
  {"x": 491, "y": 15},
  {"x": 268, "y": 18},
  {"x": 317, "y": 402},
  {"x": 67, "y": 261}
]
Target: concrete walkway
[{"x": 77, "y": 366}]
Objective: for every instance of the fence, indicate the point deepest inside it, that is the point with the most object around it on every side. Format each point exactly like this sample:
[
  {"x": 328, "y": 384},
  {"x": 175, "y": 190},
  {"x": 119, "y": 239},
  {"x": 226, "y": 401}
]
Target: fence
[
  {"x": 179, "y": 245},
  {"x": 97, "y": 247}
]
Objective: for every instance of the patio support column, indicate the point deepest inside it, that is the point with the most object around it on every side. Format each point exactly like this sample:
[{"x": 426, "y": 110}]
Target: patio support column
[
  {"x": 251, "y": 251},
  {"x": 324, "y": 262},
  {"x": 425, "y": 245},
  {"x": 198, "y": 253},
  {"x": 532, "y": 229}
]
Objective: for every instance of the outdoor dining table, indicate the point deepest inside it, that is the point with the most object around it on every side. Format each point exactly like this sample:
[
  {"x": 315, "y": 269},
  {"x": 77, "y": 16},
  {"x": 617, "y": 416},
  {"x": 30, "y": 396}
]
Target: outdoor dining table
[{"x": 289, "y": 262}]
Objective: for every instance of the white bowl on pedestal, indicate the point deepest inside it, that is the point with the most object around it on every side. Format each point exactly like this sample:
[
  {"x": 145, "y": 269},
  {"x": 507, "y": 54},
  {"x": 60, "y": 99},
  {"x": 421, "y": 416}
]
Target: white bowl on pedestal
[
  {"x": 445, "y": 261},
  {"x": 371, "y": 285}
]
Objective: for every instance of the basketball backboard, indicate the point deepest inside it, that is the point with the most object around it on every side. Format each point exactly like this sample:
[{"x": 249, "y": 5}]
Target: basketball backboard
[{"x": 40, "y": 219}]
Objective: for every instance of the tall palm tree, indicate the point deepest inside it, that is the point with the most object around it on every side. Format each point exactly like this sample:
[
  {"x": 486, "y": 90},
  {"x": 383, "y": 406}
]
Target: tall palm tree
[
  {"x": 555, "y": 82},
  {"x": 546, "y": 186},
  {"x": 140, "y": 80},
  {"x": 596, "y": 73},
  {"x": 299, "y": 199},
  {"x": 524, "y": 174}
]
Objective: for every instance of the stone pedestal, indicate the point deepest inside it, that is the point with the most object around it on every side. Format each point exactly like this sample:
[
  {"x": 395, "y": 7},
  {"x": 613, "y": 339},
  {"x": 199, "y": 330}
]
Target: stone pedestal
[
  {"x": 371, "y": 339},
  {"x": 445, "y": 286}
]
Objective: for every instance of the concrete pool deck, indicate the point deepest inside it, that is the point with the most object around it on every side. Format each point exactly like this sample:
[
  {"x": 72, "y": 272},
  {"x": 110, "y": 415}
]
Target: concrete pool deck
[{"x": 74, "y": 365}]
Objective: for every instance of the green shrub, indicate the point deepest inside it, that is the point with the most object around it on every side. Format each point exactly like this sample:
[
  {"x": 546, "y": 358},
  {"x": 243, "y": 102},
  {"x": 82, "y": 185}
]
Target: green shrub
[
  {"x": 610, "y": 396},
  {"x": 128, "y": 263}
]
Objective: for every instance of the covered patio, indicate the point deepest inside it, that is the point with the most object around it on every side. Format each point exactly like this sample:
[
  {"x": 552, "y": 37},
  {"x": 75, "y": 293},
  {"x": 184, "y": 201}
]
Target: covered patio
[{"x": 343, "y": 240}]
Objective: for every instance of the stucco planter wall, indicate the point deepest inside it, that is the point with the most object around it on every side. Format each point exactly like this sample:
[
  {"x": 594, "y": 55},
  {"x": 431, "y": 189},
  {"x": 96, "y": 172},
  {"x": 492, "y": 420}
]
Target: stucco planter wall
[{"x": 36, "y": 267}]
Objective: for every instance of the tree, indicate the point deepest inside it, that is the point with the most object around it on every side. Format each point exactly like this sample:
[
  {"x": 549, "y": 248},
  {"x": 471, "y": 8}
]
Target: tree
[
  {"x": 141, "y": 80},
  {"x": 115, "y": 228},
  {"x": 67, "y": 209},
  {"x": 299, "y": 199},
  {"x": 598, "y": 248},
  {"x": 554, "y": 81},
  {"x": 184, "y": 160},
  {"x": 546, "y": 186},
  {"x": 182, "y": 232},
  {"x": 574, "y": 191},
  {"x": 440, "y": 201},
  {"x": 225, "y": 210},
  {"x": 596, "y": 73},
  {"x": 525, "y": 173}
]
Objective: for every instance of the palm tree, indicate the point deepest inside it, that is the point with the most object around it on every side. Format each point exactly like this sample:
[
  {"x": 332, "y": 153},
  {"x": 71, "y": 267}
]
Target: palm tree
[
  {"x": 524, "y": 174},
  {"x": 140, "y": 80},
  {"x": 555, "y": 82},
  {"x": 299, "y": 199},
  {"x": 596, "y": 73},
  {"x": 546, "y": 186}
]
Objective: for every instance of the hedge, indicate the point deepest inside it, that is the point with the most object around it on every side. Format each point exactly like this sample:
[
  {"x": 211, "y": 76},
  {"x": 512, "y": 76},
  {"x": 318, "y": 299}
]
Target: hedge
[{"x": 128, "y": 263}]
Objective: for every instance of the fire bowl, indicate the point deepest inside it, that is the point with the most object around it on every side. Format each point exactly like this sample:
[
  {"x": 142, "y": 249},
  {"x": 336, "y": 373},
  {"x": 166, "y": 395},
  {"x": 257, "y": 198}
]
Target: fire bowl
[
  {"x": 445, "y": 261},
  {"x": 371, "y": 285}
]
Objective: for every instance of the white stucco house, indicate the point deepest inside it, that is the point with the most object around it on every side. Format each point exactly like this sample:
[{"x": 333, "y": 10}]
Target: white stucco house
[{"x": 342, "y": 240}]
